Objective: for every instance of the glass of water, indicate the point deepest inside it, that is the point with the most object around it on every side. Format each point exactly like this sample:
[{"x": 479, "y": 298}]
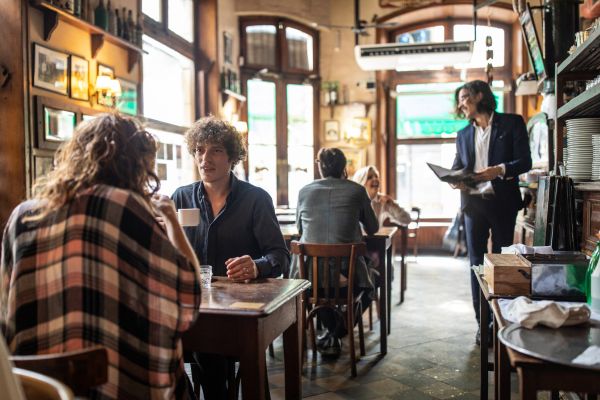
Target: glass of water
[{"x": 205, "y": 275}]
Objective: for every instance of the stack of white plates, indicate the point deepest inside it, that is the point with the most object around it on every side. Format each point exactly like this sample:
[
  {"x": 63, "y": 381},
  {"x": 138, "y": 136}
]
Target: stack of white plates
[
  {"x": 596, "y": 158},
  {"x": 579, "y": 142}
]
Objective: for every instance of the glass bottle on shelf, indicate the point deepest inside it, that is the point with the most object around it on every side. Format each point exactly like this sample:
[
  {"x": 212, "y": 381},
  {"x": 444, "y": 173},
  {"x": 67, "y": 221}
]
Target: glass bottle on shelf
[
  {"x": 118, "y": 24},
  {"x": 111, "y": 19},
  {"x": 592, "y": 280},
  {"x": 77, "y": 8},
  {"x": 124, "y": 28},
  {"x": 100, "y": 16},
  {"x": 131, "y": 26},
  {"x": 139, "y": 30}
]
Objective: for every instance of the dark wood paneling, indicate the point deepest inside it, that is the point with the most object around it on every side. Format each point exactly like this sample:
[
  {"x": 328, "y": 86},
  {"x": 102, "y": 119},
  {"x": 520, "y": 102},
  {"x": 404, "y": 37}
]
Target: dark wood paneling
[
  {"x": 208, "y": 50},
  {"x": 12, "y": 105}
]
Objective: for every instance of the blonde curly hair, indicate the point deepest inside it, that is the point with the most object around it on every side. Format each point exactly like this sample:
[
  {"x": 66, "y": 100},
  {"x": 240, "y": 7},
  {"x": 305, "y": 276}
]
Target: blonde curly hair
[{"x": 111, "y": 149}]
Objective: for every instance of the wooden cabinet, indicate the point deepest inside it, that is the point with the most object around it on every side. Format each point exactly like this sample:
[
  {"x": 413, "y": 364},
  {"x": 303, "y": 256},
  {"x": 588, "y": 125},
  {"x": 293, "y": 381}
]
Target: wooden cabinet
[{"x": 583, "y": 64}]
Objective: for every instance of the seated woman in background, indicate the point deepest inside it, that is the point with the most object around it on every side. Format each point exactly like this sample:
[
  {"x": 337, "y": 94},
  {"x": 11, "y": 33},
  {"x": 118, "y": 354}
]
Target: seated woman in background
[
  {"x": 331, "y": 210},
  {"x": 384, "y": 206},
  {"x": 87, "y": 263}
]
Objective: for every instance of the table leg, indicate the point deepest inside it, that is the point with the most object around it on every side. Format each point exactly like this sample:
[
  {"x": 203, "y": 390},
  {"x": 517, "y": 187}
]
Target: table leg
[
  {"x": 253, "y": 366},
  {"x": 527, "y": 390},
  {"x": 291, "y": 353},
  {"x": 383, "y": 304},
  {"x": 483, "y": 329},
  {"x": 389, "y": 266},
  {"x": 403, "y": 245}
]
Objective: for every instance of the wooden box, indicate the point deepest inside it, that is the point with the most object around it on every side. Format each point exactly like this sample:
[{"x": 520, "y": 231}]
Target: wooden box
[{"x": 507, "y": 274}]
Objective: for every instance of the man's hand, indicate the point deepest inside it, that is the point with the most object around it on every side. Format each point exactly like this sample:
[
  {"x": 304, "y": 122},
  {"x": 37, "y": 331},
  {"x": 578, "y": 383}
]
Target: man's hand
[
  {"x": 488, "y": 174},
  {"x": 385, "y": 199},
  {"x": 459, "y": 186},
  {"x": 241, "y": 268}
]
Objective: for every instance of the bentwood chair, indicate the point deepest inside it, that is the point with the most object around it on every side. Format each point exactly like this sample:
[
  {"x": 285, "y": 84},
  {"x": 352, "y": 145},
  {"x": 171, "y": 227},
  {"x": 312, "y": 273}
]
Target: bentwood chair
[
  {"x": 80, "y": 370},
  {"x": 327, "y": 291},
  {"x": 413, "y": 228},
  {"x": 37, "y": 386}
]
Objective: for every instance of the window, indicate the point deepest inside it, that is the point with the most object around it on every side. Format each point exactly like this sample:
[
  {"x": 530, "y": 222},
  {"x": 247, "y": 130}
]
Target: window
[
  {"x": 281, "y": 105},
  {"x": 174, "y": 165},
  {"x": 152, "y": 9},
  {"x": 465, "y": 32},
  {"x": 168, "y": 84},
  {"x": 431, "y": 34},
  {"x": 181, "y": 18}
]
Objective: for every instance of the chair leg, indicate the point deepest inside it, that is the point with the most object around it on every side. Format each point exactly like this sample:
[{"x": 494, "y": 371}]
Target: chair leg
[
  {"x": 350, "y": 326},
  {"x": 377, "y": 304},
  {"x": 361, "y": 331},
  {"x": 271, "y": 350},
  {"x": 232, "y": 381},
  {"x": 313, "y": 339},
  {"x": 370, "y": 318}
]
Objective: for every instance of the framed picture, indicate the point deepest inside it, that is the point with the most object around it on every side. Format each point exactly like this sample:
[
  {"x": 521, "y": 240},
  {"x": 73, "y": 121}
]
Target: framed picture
[
  {"x": 105, "y": 70},
  {"x": 42, "y": 165},
  {"x": 79, "y": 78},
  {"x": 128, "y": 103},
  {"x": 359, "y": 131},
  {"x": 355, "y": 158},
  {"x": 56, "y": 121},
  {"x": 332, "y": 131},
  {"x": 227, "y": 48},
  {"x": 50, "y": 69}
]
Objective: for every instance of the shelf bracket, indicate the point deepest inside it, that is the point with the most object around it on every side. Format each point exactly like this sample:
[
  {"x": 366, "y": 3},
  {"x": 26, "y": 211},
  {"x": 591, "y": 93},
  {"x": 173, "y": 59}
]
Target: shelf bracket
[
  {"x": 50, "y": 23},
  {"x": 97, "y": 41},
  {"x": 132, "y": 59}
]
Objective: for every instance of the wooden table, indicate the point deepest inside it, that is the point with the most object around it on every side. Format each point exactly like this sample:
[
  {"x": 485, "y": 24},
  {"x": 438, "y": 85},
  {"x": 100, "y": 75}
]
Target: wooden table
[
  {"x": 242, "y": 319},
  {"x": 383, "y": 243},
  {"x": 536, "y": 374}
]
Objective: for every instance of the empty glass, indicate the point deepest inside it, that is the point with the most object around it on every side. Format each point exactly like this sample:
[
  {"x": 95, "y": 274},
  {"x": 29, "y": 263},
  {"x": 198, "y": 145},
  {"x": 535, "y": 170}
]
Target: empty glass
[{"x": 205, "y": 275}]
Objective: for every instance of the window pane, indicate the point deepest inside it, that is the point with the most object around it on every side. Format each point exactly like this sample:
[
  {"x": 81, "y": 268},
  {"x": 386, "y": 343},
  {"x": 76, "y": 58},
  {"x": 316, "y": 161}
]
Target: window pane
[
  {"x": 260, "y": 44},
  {"x": 465, "y": 32},
  {"x": 300, "y": 49},
  {"x": 427, "y": 110},
  {"x": 152, "y": 9},
  {"x": 262, "y": 128},
  {"x": 168, "y": 84},
  {"x": 181, "y": 18},
  {"x": 431, "y": 34},
  {"x": 174, "y": 165},
  {"x": 300, "y": 139},
  {"x": 416, "y": 184}
]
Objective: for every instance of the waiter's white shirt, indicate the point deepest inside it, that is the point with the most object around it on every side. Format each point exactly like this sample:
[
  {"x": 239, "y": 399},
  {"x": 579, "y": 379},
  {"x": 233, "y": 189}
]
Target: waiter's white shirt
[{"x": 482, "y": 151}]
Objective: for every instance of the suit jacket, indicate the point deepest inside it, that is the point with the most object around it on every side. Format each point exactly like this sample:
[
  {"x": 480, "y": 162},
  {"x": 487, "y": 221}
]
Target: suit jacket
[
  {"x": 509, "y": 144},
  {"x": 331, "y": 210}
]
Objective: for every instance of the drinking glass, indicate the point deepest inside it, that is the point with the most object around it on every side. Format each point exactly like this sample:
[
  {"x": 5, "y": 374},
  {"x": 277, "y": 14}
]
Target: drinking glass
[{"x": 205, "y": 275}]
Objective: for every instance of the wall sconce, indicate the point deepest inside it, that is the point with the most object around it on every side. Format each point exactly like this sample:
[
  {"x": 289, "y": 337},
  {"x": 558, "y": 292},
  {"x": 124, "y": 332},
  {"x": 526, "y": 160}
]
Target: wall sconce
[
  {"x": 107, "y": 90},
  {"x": 241, "y": 127},
  {"x": 359, "y": 131}
]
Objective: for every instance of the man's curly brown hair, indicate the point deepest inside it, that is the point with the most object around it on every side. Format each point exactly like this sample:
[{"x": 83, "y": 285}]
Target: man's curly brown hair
[{"x": 215, "y": 131}]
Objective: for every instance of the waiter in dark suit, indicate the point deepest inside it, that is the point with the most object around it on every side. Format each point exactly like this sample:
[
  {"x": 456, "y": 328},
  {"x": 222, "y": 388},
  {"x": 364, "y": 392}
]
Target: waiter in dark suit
[{"x": 496, "y": 147}]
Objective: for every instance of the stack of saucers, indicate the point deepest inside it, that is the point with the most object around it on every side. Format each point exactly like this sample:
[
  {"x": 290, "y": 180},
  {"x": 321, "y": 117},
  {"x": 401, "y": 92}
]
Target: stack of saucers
[
  {"x": 579, "y": 142},
  {"x": 596, "y": 158}
]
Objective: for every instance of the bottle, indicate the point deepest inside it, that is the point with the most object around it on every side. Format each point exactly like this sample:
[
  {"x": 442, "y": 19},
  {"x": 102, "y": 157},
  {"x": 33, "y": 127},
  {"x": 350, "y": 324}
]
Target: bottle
[
  {"x": 592, "y": 280},
  {"x": 77, "y": 8},
  {"x": 124, "y": 30},
  {"x": 139, "y": 30},
  {"x": 100, "y": 16},
  {"x": 118, "y": 24},
  {"x": 131, "y": 26},
  {"x": 111, "y": 19}
]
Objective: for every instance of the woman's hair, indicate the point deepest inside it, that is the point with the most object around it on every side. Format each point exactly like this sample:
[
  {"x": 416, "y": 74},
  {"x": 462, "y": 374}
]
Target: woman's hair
[
  {"x": 215, "y": 131},
  {"x": 486, "y": 105},
  {"x": 361, "y": 175},
  {"x": 332, "y": 162},
  {"x": 111, "y": 149}
]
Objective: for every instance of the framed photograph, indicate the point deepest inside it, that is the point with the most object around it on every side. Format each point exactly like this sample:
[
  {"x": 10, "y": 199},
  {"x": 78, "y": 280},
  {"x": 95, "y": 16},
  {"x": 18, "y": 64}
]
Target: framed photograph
[
  {"x": 50, "y": 69},
  {"x": 79, "y": 78},
  {"x": 55, "y": 121},
  {"x": 355, "y": 158},
  {"x": 105, "y": 70},
  {"x": 332, "y": 131},
  {"x": 359, "y": 131},
  {"x": 128, "y": 101},
  {"x": 227, "y": 48}
]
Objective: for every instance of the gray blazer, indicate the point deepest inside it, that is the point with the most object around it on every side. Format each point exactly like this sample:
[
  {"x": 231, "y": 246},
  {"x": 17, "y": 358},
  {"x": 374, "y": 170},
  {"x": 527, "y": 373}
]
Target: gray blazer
[{"x": 331, "y": 210}]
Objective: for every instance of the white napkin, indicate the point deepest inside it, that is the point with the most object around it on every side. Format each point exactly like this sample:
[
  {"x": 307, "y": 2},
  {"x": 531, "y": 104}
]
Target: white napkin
[
  {"x": 529, "y": 313},
  {"x": 591, "y": 356},
  {"x": 519, "y": 248}
]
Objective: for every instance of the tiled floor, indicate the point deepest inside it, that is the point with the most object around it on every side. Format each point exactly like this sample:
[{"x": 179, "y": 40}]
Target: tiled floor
[{"x": 432, "y": 352}]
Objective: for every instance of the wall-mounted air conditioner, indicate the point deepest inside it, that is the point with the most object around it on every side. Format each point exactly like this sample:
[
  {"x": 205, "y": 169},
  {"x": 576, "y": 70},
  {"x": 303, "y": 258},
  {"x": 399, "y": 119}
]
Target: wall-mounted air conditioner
[{"x": 397, "y": 55}]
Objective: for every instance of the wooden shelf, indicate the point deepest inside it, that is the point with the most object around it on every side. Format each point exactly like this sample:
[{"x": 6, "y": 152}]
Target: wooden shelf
[
  {"x": 587, "y": 104},
  {"x": 585, "y": 58},
  {"x": 53, "y": 14}
]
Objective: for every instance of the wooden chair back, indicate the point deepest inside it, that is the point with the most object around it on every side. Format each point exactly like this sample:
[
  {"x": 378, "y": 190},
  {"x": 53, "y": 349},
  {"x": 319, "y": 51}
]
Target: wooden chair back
[
  {"x": 326, "y": 291},
  {"x": 80, "y": 370},
  {"x": 41, "y": 387}
]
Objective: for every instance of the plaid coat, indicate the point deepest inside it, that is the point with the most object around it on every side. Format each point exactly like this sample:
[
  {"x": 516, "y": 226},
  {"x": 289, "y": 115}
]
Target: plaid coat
[{"x": 100, "y": 271}]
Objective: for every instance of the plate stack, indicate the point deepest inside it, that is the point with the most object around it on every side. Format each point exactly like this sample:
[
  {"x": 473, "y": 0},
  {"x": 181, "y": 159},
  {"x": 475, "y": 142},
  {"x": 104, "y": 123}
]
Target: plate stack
[
  {"x": 579, "y": 142},
  {"x": 596, "y": 158}
]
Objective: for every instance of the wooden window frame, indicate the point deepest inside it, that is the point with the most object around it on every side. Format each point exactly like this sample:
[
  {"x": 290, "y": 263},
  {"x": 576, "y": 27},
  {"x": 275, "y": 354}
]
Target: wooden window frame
[
  {"x": 448, "y": 74},
  {"x": 159, "y": 30}
]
